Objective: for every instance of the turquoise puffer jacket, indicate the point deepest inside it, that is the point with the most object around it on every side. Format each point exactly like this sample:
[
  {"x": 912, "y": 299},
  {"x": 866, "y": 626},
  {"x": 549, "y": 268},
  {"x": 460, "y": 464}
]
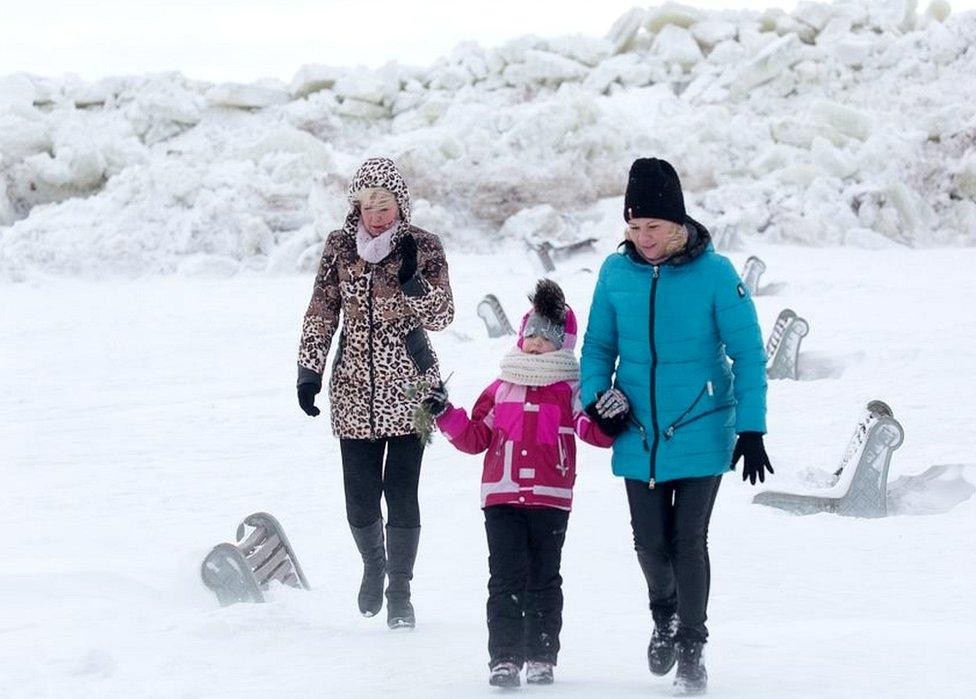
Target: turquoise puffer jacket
[{"x": 668, "y": 332}]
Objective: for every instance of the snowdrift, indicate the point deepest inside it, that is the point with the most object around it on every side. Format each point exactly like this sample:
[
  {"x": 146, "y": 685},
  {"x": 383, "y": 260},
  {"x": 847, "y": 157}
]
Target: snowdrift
[{"x": 851, "y": 123}]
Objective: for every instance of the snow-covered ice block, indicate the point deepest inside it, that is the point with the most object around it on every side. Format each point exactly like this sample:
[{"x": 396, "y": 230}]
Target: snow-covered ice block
[
  {"x": 948, "y": 121},
  {"x": 23, "y": 131},
  {"x": 847, "y": 120},
  {"x": 779, "y": 22},
  {"x": 246, "y": 96},
  {"x": 513, "y": 50},
  {"x": 285, "y": 139},
  {"x": 779, "y": 55},
  {"x": 675, "y": 44},
  {"x": 361, "y": 109},
  {"x": 814, "y": 14},
  {"x": 625, "y": 28},
  {"x": 163, "y": 108},
  {"x": 831, "y": 160},
  {"x": 726, "y": 53},
  {"x": 450, "y": 78},
  {"x": 17, "y": 89},
  {"x": 853, "y": 50},
  {"x": 549, "y": 67},
  {"x": 585, "y": 49},
  {"x": 365, "y": 86},
  {"x": 710, "y": 32},
  {"x": 944, "y": 45},
  {"x": 892, "y": 15},
  {"x": 313, "y": 77},
  {"x": 672, "y": 14}
]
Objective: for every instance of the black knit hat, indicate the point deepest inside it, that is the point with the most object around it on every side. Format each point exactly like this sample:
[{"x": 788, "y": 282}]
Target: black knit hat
[{"x": 654, "y": 191}]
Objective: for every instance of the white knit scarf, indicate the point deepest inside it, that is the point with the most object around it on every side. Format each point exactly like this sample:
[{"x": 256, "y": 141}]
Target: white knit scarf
[
  {"x": 539, "y": 369},
  {"x": 374, "y": 248}
]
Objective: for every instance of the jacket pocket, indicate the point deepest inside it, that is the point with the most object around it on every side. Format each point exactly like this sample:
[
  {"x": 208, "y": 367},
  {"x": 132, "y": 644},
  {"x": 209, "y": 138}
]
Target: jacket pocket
[
  {"x": 418, "y": 348},
  {"x": 689, "y": 416}
]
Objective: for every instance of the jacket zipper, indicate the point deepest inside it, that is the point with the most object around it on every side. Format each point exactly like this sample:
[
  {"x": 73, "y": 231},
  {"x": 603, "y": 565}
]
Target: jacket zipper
[
  {"x": 653, "y": 465},
  {"x": 369, "y": 341},
  {"x": 669, "y": 433}
]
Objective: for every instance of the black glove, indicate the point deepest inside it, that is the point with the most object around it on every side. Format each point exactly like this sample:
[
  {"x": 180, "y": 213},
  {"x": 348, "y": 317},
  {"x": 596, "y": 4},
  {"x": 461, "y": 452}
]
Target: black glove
[
  {"x": 750, "y": 446},
  {"x": 309, "y": 385},
  {"x": 607, "y": 413},
  {"x": 436, "y": 402},
  {"x": 408, "y": 259}
]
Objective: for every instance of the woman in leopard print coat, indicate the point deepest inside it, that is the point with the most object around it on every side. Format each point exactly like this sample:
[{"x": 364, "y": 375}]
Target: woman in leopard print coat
[{"x": 388, "y": 281}]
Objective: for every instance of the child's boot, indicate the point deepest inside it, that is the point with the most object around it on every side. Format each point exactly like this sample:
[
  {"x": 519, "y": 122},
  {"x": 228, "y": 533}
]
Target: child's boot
[
  {"x": 504, "y": 674},
  {"x": 538, "y": 672}
]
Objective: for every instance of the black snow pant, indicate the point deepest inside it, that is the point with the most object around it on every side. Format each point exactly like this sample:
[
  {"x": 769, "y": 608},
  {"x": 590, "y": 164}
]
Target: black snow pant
[
  {"x": 670, "y": 524},
  {"x": 525, "y": 594},
  {"x": 366, "y": 481}
]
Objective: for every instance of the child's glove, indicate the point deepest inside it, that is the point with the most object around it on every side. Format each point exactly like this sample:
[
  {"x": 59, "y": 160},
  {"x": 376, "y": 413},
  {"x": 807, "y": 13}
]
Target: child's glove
[
  {"x": 610, "y": 411},
  {"x": 612, "y": 403},
  {"x": 436, "y": 402}
]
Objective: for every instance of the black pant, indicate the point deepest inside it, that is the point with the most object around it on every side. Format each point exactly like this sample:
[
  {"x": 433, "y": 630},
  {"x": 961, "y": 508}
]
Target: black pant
[
  {"x": 366, "y": 482},
  {"x": 525, "y": 594},
  {"x": 670, "y": 526}
]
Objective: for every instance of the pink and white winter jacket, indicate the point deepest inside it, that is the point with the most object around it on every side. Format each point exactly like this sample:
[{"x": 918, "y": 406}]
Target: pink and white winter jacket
[{"x": 529, "y": 434}]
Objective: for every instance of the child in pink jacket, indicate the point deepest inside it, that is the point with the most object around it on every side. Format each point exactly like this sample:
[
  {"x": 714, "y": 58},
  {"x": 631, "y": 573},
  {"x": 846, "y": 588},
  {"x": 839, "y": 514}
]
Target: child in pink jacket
[{"x": 525, "y": 421}]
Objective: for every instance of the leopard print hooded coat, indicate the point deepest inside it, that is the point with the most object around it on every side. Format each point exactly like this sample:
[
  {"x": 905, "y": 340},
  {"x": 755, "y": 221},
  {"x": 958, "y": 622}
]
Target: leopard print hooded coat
[{"x": 383, "y": 345}]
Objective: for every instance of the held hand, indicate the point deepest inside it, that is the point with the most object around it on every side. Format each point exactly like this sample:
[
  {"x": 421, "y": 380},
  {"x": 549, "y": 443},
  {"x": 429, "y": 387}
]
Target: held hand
[
  {"x": 408, "y": 258},
  {"x": 610, "y": 419},
  {"x": 750, "y": 446},
  {"x": 436, "y": 401},
  {"x": 309, "y": 385},
  {"x": 612, "y": 403}
]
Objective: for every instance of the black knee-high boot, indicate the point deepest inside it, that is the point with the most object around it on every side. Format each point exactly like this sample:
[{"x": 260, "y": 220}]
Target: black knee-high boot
[
  {"x": 369, "y": 541},
  {"x": 401, "y": 552}
]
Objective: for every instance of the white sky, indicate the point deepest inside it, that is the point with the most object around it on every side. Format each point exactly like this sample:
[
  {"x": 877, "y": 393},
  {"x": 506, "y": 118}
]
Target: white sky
[{"x": 244, "y": 40}]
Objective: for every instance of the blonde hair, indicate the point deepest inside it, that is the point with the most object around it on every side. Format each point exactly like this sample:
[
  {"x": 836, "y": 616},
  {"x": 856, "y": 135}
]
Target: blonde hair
[
  {"x": 677, "y": 238},
  {"x": 374, "y": 197}
]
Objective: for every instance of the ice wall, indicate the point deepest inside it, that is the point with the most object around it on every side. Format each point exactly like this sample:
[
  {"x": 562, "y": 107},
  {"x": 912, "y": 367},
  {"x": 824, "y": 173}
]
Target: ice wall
[{"x": 852, "y": 123}]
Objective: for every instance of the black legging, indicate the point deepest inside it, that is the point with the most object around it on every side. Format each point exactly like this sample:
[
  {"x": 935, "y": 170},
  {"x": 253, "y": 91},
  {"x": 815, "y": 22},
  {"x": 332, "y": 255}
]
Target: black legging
[
  {"x": 670, "y": 524},
  {"x": 366, "y": 481}
]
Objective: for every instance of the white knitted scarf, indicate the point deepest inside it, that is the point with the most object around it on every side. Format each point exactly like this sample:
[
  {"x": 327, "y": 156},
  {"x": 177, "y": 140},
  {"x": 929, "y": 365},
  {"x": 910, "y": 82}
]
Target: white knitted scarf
[
  {"x": 374, "y": 248},
  {"x": 539, "y": 369}
]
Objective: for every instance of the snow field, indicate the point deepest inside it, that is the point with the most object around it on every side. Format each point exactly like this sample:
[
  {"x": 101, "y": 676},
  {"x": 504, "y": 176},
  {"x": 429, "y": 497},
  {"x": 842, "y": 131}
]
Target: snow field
[{"x": 141, "y": 420}]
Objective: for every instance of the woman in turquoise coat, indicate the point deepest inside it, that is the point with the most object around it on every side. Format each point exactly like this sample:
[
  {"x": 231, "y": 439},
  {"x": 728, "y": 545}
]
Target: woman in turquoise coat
[{"x": 668, "y": 315}]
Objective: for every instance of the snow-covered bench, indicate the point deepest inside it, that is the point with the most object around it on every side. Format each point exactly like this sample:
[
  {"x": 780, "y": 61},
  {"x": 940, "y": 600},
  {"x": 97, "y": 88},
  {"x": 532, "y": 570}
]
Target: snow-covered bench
[
  {"x": 751, "y": 271},
  {"x": 496, "y": 321},
  {"x": 861, "y": 485},
  {"x": 241, "y": 572},
  {"x": 783, "y": 346}
]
